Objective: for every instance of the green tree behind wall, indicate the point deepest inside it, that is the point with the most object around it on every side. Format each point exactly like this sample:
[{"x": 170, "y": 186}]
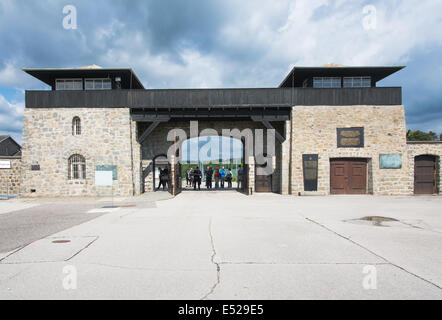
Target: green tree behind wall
[{"x": 417, "y": 135}]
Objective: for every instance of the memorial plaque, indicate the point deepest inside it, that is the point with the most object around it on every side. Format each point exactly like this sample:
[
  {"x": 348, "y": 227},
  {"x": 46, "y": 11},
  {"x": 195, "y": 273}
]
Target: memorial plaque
[
  {"x": 5, "y": 164},
  {"x": 103, "y": 178},
  {"x": 390, "y": 161},
  {"x": 112, "y": 168},
  {"x": 310, "y": 170},
  {"x": 350, "y": 137}
]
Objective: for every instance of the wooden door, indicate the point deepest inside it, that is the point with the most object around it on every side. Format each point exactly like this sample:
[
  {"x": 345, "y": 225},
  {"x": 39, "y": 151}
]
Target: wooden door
[
  {"x": 425, "y": 174},
  {"x": 348, "y": 176},
  {"x": 263, "y": 183}
]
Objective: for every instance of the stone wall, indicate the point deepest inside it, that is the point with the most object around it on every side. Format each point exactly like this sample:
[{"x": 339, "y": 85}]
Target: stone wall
[
  {"x": 10, "y": 178},
  {"x": 107, "y": 136},
  {"x": 314, "y": 131},
  {"x": 433, "y": 148}
]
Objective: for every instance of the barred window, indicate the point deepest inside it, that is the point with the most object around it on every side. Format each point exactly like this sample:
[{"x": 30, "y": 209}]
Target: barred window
[
  {"x": 76, "y": 167},
  {"x": 68, "y": 84},
  {"x": 76, "y": 126},
  {"x": 326, "y": 82},
  {"x": 357, "y": 82},
  {"x": 98, "y": 84}
]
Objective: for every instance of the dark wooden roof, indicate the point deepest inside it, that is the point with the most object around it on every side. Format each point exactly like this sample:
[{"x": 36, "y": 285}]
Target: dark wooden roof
[
  {"x": 297, "y": 75},
  {"x": 128, "y": 78},
  {"x": 9, "y": 147}
]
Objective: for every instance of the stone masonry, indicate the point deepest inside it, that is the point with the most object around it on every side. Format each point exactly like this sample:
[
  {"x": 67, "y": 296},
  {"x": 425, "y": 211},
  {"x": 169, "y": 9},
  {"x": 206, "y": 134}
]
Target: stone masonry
[
  {"x": 106, "y": 139},
  {"x": 10, "y": 178},
  {"x": 109, "y": 137},
  {"x": 314, "y": 131},
  {"x": 433, "y": 148}
]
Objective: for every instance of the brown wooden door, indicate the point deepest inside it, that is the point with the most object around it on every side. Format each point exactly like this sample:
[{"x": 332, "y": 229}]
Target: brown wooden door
[
  {"x": 348, "y": 176},
  {"x": 425, "y": 174},
  {"x": 263, "y": 183}
]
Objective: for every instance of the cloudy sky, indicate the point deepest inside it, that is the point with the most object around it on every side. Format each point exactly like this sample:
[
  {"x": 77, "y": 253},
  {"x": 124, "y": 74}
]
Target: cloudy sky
[{"x": 224, "y": 43}]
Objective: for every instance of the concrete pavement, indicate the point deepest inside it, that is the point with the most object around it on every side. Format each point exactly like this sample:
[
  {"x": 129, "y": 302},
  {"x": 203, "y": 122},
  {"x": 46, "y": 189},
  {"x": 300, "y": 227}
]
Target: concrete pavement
[{"x": 224, "y": 245}]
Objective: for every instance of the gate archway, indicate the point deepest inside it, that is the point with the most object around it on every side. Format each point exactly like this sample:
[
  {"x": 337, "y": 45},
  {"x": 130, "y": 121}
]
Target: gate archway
[{"x": 212, "y": 154}]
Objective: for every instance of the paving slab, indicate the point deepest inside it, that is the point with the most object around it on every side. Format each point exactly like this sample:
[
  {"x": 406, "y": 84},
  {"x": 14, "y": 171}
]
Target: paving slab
[
  {"x": 313, "y": 281},
  {"x": 224, "y": 245}
]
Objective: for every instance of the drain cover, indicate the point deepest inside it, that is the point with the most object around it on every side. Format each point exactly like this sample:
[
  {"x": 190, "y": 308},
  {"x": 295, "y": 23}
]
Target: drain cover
[
  {"x": 61, "y": 241},
  {"x": 109, "y": 207}
]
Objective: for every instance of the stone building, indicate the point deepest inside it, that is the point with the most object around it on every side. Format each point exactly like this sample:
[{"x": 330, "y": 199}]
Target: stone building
[
  {"x": 335, "y": 132},
  {"x": 10, "y": 166}
]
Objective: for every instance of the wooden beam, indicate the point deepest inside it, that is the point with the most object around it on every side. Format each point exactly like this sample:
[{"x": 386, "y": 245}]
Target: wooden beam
[
  {"x": 148, "y": 131},
  {"x": 268, "y": 125}
]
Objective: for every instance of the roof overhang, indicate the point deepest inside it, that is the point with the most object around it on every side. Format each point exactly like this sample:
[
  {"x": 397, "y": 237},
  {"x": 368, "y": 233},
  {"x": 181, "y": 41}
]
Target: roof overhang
[
  {"x": 297, "y": 75},
  {"x": 48, "y": 75}
]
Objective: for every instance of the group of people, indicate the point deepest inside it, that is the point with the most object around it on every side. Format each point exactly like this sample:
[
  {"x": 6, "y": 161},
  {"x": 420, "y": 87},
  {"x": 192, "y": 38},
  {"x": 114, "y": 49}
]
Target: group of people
[{"x": 194, "y": 177}]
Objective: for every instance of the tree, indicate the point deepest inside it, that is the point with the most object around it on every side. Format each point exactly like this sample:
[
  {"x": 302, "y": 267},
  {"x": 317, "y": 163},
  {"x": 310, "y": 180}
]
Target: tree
[{"x": 417, "y": 135}]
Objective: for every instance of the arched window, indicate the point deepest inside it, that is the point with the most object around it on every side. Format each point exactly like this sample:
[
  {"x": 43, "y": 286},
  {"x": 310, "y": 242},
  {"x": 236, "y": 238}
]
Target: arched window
[
  {"x": 76, "y": 126},
  {"x": 76, "y": 167}
]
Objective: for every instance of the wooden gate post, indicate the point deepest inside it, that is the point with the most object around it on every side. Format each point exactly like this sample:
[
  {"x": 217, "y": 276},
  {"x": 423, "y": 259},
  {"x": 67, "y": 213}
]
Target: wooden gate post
[{"x": 251, "y": 177}]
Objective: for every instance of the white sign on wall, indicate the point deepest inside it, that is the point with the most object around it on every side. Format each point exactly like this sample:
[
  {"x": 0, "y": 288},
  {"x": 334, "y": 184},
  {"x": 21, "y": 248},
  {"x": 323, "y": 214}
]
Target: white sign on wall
[
  {"x": 5, "y": 164},
  {"x": 103, "y": 178}
]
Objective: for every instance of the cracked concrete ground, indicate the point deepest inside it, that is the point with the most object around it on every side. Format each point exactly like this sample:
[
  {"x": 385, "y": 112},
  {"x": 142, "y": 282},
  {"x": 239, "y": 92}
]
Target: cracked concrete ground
[{"x": 224, "y": 245}]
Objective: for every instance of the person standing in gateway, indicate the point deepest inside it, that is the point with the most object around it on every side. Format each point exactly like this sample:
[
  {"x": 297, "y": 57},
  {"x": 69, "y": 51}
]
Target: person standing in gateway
[
  {"x": 197, "y": 178},
  {"x": 240, "y": 177},
  {"x": 229, "y": 178},
  {"x": 222, "y": 176},
  {"x": 209, "y": 173}
]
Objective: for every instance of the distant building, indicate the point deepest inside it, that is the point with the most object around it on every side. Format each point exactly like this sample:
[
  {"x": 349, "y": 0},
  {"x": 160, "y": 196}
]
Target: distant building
[
  {"x": 8, "y": 147},
  {"x": 10, "y": 167}
]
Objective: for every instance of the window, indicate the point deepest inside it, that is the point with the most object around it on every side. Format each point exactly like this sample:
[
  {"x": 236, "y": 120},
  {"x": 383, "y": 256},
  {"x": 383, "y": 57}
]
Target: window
[
  {"x": 98, "y": 84},
  {"x": 357, "y": 82},
  {"x": 326, "y": 82},
  {"x": 76, "y": 167},
  {"x": 76, "y": 126},
  {"x": 68, "y": 84}
]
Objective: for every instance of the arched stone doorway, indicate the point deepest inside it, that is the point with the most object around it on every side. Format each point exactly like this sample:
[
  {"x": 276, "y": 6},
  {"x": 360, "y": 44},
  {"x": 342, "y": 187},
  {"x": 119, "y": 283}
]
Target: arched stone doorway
[
  {"x": 159, "y": 161},
  {"x": 162, "y": 135},
  {"x": 211, "y": 154}
]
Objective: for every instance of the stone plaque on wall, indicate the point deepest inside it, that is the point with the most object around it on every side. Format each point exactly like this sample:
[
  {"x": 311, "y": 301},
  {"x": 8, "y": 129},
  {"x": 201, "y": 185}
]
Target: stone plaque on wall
[
  {"x": 350, "y": 137},
  {"x": 390, "y": 161},
  {"x": 310, "y": 170}
]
